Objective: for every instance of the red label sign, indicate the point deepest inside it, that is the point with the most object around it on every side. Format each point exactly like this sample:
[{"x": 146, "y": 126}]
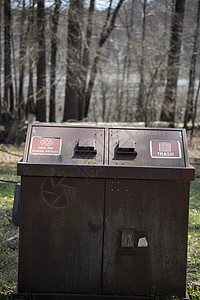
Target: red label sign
[
  {"x": 45, "y": 145},
  {"x": 165, "y": 149}
]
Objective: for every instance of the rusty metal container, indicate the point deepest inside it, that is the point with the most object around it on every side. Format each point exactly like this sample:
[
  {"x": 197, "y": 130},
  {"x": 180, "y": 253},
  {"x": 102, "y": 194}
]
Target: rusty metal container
[{"x": 103, "y": 212}]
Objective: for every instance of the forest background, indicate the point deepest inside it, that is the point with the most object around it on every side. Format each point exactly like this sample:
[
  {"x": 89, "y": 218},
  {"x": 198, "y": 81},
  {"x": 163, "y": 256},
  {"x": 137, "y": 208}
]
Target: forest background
[
  {"x": 123, "y": 61},
  {"x": 126, "y": 61}
]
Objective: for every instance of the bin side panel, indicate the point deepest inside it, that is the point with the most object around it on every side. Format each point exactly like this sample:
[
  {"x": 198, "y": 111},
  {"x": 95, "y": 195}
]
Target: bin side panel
[
  {"x": 61, "y": 235},
  {"x": 145, "y": 237}
]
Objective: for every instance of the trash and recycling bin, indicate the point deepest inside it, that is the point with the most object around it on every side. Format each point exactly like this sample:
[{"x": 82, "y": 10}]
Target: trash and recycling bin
[{"x": 103, "y": 212}]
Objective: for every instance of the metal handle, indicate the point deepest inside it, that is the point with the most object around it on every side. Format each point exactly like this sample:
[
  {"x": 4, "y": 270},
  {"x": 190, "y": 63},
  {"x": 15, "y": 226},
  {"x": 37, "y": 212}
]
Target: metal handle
[
  {"x": 126, "y": 147},
  {"x": 85, "y": 146}
]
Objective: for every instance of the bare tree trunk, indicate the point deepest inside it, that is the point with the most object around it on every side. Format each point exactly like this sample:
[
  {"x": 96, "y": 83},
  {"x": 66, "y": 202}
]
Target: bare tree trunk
[
  {"x": 21, "y": 106},
  {"x": 107, "y": 29},
  {"x": 73, "y": 60},
  {"x": 0, "y": 54},
  {"x": 117, "y": 89},
  {"x": 41, "y": 63},
  {"x": 129, "y": 26},
  {"x": 14, "y": 66},
  {"x": 120, "y": 112},
  {"x": 128, "y": 82},
  {"x": 30, "y": 105},
  {"x": 169, "y": 103},
  {"x": 150, "y": 107},
  {"x": 103, "y": 91},
  {"x": 52, "y": 101},
  {"x": 85, "y": 61},
  {"x": 141, "y": 109},
  {"x": 195, "y": 110},
  {"x": 190, "y": 96},
  {"x": 8, "y": 88}
]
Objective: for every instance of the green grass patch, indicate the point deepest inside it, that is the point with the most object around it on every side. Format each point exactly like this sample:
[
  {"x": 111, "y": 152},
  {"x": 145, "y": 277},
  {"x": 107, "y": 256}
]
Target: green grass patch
[
  {"x": 8, "y": 249},
  {"x": 9, "y": 156},
  {"x": 7, "y": 192},
  {"x": 193, "y": 261}
]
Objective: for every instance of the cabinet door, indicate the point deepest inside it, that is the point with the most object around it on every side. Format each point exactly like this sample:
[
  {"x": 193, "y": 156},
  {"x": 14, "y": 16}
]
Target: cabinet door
[
  {"x": 145, "y": 237},
  {"x": 61, "y": 234}
]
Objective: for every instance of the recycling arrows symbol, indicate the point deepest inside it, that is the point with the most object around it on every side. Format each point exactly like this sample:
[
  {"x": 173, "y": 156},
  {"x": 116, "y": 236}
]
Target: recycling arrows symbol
[{"x": 59, "y": 193}]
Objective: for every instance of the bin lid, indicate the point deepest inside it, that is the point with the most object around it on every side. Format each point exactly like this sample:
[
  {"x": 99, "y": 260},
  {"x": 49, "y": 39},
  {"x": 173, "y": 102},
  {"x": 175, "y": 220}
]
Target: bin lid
[
  {"x": 148, "y": 147},
  {"x": 64, "y": 145},
  {"x": 105, "y": 152}
]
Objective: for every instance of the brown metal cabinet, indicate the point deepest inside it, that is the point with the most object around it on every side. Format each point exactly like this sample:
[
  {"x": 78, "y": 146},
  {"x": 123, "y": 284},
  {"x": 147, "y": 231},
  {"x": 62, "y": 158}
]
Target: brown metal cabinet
[{"x": 104, "y": 212}]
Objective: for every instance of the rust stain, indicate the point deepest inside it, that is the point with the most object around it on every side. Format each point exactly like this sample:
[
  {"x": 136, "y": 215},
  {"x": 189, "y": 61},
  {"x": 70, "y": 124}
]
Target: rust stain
[{"x": 93, "y": 228}]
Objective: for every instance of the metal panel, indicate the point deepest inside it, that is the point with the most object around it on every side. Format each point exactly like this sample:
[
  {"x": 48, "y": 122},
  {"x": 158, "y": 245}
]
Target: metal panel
[
  {"x": 47, "y": 296},
  {"x": 61, "y": 230},
  {"x": 155, "y": 215},
  {"x": 91, "y": 171},
  {"x": 60, "y": 144},
  {"x": 151, "y": 147}
]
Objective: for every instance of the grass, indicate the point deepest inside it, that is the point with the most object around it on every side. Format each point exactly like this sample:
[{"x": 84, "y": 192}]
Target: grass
[
  {"x": 193, "y": 274},
  {"x": 9, "y": 251}
]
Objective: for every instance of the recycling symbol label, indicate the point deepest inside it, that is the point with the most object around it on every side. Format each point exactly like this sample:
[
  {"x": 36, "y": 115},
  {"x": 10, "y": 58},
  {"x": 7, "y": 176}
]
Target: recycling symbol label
[
  {"x": 59, "y": 193},
  {"x": 46, "y": 142},
  {"x": 45, "y": 145}
]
